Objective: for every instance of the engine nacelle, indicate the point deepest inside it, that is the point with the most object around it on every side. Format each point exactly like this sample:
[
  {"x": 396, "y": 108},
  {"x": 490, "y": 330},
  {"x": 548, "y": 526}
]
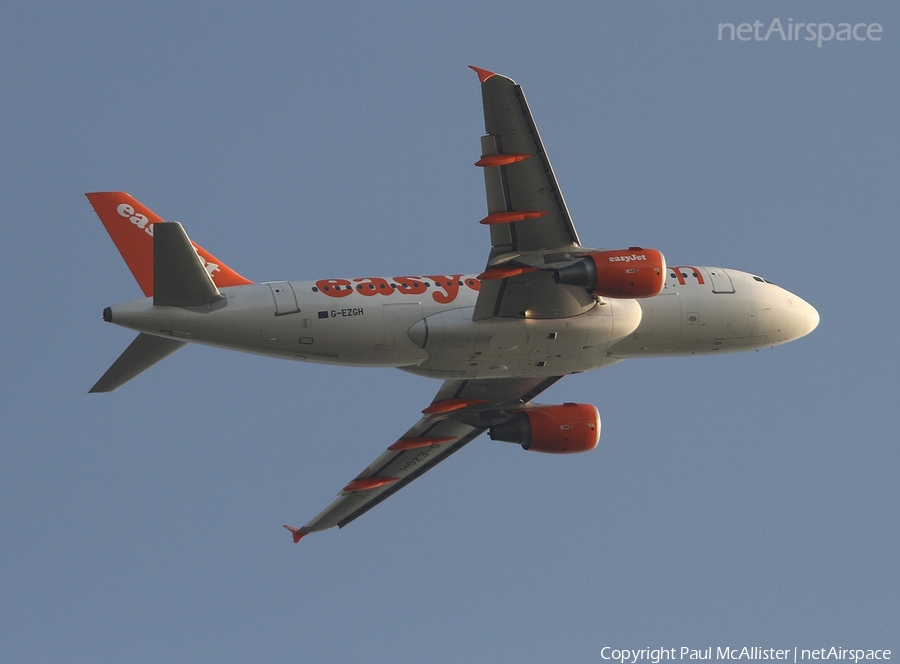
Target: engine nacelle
[
  {"x": 565, "y": 429},
  {"x": 632, "y": 272}
]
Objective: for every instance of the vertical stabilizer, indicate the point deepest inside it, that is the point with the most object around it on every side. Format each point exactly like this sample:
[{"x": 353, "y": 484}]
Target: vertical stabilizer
[
  {"x": 179, "y": 276},
  {"x": 130, "y": 225}
]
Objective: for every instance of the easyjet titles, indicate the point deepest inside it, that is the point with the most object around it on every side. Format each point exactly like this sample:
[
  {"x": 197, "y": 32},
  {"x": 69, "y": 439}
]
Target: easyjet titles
[
  {"x": 141, "y": 221},
  {"x": 628, "y": 259},
  {"x": 446, "y": 287},
  {"x": 136, "y": 218}
]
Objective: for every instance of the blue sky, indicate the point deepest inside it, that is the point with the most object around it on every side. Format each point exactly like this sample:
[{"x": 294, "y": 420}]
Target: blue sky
[{"x": 747, "y": 499}]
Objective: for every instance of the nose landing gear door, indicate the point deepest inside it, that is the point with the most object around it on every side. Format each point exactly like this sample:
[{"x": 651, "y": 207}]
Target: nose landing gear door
[{"x": 285, "y": 301}]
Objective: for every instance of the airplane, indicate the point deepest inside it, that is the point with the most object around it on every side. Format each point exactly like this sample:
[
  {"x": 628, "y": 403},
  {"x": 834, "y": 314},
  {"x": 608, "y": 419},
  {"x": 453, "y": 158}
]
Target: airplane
[{"x": 545, "y": 306}]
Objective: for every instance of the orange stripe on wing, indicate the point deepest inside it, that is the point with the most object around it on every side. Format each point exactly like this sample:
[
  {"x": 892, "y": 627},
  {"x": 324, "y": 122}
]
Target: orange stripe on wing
[
  {"x": 366, "y": 483},
  {"x": 451, "y": 405},
  {"x": 501, "y": 272},
  {"x": 511, "y": 216},
  {"x": 414, "y": 443},
  {"x": 501, "y": 159}
]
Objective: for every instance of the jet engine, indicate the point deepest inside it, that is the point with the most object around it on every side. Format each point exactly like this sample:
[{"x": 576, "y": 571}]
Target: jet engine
[
  {"x": 565, "y": 429},
  {"x": 632, "y": 272}
]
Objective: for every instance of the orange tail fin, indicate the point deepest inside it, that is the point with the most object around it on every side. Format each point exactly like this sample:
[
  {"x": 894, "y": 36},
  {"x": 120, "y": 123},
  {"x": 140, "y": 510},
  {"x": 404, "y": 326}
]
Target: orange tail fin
[{"x": 130, "y": 225}]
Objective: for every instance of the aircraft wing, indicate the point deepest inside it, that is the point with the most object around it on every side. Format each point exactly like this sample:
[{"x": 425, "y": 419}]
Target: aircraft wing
[
  {"x": 528, "y": 219},
  {"x": 461, "y": 410}
]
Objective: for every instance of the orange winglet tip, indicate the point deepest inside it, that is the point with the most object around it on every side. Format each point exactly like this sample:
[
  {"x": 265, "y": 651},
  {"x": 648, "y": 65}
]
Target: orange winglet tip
[
  {"x": 483, "y": 74},
  {"x": 494, "y": 273},
  {"x": 366, "y": 483},
  {"x": 414, "y": 443},
  {"x": 511, "y": 216},
  {"x": 451, "y": 405},
  {"x": 297, "y": 533},
  {"x": 501, "y": 159}
]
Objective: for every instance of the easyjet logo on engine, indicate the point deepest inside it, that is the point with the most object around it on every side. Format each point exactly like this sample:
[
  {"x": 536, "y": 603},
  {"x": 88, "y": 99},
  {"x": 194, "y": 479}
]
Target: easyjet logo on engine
[
  {"x": 627, "y": 259},
  {"x": 446, "y": 287}
]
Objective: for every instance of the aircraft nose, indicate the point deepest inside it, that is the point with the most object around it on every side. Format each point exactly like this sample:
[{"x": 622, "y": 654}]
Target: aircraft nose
[
  {"x": 812, "y": 318},
  {"x": 803, "y": 317}
]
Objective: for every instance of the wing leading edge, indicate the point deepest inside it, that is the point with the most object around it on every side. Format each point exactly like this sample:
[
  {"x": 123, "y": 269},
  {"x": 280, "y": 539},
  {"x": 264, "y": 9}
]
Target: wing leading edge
[{"x": 459, "y": 413}]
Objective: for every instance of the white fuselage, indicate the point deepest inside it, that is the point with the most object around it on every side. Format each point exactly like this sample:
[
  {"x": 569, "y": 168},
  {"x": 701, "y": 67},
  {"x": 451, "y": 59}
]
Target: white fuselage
[{"x": 424, "y": 324}]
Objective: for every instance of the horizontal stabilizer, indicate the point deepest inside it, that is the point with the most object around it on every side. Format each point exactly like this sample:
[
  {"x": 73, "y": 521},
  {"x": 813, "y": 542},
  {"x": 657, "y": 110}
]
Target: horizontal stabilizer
[
  {"x": 179, "y": 277},
  {"x": 145, "y": 351}
]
